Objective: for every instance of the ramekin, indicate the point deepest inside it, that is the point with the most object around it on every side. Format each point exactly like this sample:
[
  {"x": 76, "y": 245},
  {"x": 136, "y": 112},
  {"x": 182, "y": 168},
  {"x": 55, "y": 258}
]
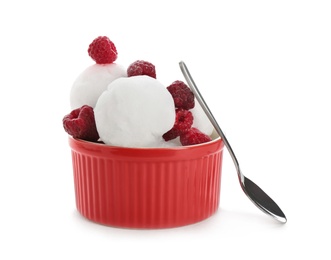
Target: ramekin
[{"x": 147, "y": 187}]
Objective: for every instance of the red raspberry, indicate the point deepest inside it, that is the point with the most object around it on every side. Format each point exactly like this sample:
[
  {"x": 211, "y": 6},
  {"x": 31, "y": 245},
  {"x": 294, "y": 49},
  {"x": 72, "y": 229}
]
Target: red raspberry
[
  {"x": 141, "y": 67},
  {"x": 182, "y": 95},
  {"x": 194, "y": 136},
  {"x": 80, "y": 123},
  {"x": 183, "y": 122},
  {"x": 102, "y": 50}
]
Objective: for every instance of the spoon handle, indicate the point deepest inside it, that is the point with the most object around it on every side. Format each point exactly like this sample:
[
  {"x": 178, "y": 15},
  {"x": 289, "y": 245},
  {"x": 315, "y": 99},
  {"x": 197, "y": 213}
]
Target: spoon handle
[
  {"x": 252, "y": 191},
  {"x": 209, "y": 114}
]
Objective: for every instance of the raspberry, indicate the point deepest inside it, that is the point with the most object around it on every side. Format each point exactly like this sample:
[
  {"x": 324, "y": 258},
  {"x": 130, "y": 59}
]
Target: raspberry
[
  {"x": 182, "y": 95},
  {"x": 102, "y": 50},
  {"x": 194, "y": 136},
  {"x": 141, "y": 67},
  {"x": 80, "y": 124},
  {"x": 183, "y": 122}
]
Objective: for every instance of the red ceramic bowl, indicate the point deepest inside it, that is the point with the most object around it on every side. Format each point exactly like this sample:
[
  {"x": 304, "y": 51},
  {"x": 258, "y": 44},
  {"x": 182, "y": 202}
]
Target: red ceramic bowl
[{"x": 147, "y": 187}]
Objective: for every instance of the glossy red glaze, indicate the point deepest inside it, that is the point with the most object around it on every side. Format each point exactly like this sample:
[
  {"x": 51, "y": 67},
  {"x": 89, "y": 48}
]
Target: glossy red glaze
[{"x": 147, "y": 187}]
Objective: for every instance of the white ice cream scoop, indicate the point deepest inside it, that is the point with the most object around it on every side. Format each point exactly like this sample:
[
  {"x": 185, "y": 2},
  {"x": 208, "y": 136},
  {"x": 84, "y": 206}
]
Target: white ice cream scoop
[
  {"x": 201, "y": 121},
  {"x": 92, "y": 82},
  {"x": 134, "y": 112}
]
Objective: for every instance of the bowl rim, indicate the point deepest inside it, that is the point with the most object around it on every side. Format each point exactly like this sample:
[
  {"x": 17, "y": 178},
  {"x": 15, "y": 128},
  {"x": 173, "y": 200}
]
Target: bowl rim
[{"x": 171, "y": 148}]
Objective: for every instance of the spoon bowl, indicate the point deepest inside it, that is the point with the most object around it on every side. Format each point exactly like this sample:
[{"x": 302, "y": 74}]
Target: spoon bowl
[{"x": 252, "y": 191}]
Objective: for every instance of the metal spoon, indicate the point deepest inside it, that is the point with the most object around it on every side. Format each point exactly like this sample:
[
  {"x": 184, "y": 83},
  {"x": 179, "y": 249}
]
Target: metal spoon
[{"x": 252, "y": 191}]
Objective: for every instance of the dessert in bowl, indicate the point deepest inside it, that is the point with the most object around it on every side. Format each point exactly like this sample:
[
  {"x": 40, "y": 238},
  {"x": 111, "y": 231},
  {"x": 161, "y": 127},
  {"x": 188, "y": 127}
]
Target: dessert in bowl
[{"x": 140, "y": 159}]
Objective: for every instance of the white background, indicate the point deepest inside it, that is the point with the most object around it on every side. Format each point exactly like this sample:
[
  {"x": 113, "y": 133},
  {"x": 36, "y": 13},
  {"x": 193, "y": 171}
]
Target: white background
[{"x": 262, "y": 66}]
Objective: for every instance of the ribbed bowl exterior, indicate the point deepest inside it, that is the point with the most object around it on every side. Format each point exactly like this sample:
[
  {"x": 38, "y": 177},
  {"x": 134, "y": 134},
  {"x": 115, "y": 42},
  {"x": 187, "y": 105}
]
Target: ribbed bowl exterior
[{"x": 146, "y": 187}]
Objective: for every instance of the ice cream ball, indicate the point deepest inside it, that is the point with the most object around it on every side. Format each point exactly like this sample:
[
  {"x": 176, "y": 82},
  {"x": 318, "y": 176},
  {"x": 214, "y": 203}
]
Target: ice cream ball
[
  {"x": 134, "y": 112},
  {"x": 200, "y": 119},
  {"x": 94, "y": 80}
]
